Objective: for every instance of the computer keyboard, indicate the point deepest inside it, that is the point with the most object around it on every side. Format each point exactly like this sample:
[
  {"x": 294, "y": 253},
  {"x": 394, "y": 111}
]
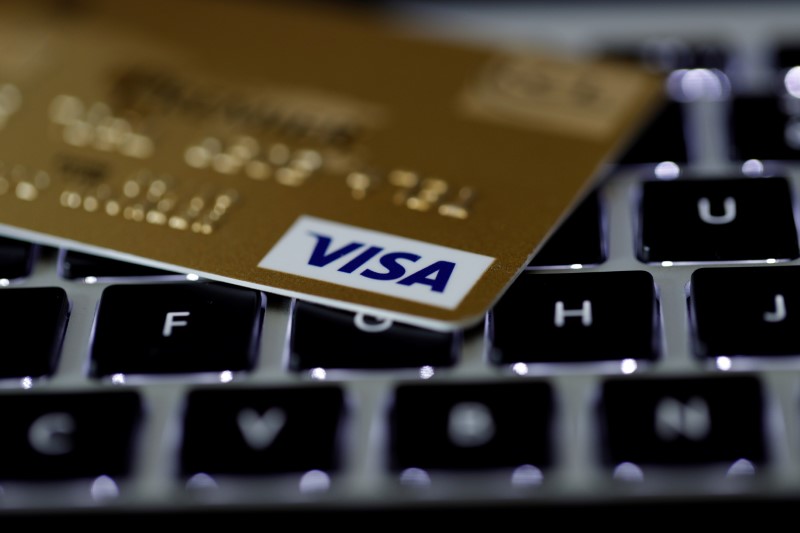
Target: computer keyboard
[{"x": 646, "y": 358}]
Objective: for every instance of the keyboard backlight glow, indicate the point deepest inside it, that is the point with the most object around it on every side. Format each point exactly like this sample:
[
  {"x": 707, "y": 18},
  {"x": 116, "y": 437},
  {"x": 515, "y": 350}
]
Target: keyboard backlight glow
[
  {"x": 89, "y": 280},
  {"x": 315, "y": 481},
  {"x": 318, "y": 374},
  {"x": 519, "y": 369},
  {"x": 201, "y": 481},
  {"x": 692, "y": 85},
  {"x": 629, "y": 366},
  {"x": 415, "y": 477},
  {"x": 426, "y": 372},
  {"x": 526, "y": 476},
  {"x": 118, "y": 379},
  {"x": 753, "y": 168},
  {"x": 4, "y": 282},
  {"x": 192, "y": 277},
  {"x": 724, "y": 363},
  {"x": 667, "y": 170},
  {"x": 628, "y": 472},
  {"x": 741, "y": 467},
  {"x": 667, "y": 263},
  {"x": 792, "y": 81},
  {"x": 104, "y": 488}
]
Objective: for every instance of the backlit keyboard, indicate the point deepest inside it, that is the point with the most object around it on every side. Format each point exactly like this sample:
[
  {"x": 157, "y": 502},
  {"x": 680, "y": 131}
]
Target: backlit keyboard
[{"x": 648, "y": 356}]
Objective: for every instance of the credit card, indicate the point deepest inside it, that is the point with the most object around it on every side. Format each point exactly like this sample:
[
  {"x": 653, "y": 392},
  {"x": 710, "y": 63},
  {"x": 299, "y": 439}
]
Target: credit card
[{"x": 306, "y": 151}]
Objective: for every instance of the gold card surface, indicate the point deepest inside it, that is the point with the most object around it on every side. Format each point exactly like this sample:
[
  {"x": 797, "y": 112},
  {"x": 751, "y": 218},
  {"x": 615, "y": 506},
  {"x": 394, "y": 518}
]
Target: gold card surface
[{"x": 308, "y": 152}]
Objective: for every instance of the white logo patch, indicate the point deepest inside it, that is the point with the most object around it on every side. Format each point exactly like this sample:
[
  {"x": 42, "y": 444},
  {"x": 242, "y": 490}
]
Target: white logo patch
[{"x": 377, "y": 262}]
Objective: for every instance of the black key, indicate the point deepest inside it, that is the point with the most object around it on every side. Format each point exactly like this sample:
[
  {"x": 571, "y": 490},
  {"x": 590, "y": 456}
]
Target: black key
[
  {"x": 16, "y": 258},
  {"x": 176, "y": 327},
  {"x": 662, "y": 140},
  {"x": 667, "y": 54},
  {"x": 746, "y": 311},
  {"x": 579, "y": 240},
  {"x": 330, "y": 338},
  {"x": 78, "y": 265},
  {"x": 261, "y": 431},
  {"x": 34, "y": 321},
  {"x": 717, "y": 220},
  {"x": 576, "y": 317},
  {"x": 683, "y": 421},
  {"x": 69, "y": 435},
  {"x": 763, "y": 128},
  {"x": 467, "y": 426},
  {"x": 788, "y": 56}
]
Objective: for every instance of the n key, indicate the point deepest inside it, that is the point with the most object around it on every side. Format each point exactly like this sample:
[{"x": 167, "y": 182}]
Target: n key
[{"x": 683, "y": 420}]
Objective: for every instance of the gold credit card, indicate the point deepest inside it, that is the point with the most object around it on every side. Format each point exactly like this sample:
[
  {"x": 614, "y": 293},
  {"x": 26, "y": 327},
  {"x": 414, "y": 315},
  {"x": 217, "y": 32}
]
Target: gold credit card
[{"x": 301, "y": 150}]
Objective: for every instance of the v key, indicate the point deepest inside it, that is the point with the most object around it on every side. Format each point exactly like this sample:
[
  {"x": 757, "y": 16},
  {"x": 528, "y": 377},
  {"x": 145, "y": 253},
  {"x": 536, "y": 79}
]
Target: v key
[{"x": 260, "y": 431}]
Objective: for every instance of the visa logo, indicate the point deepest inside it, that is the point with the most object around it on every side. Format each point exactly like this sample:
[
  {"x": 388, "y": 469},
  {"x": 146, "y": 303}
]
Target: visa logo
[
  {"x": 436, "y": 275},
  {"x": 377, "y": 262}
]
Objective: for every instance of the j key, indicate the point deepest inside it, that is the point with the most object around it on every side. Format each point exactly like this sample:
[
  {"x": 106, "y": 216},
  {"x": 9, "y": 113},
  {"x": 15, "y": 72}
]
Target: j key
[
  {"x": 717, "y": 220},
  {"x": 34, "y": 320},
  {"x": 67, "y": 435},
  {"x": 16, "y": 258},
  {"x": 746, "y": 311},
  {"x": 471, "y": 426},
  {"x": 329, "y": 338},
  {"x": 77, "y": 265},
  {"x": 662, "y": 140},
  {"x": 576, "y": 317},
  {"x": 763, "y": 129},
  {"x": 261, "y": 431},
  {"x": 579, "y": 240},
  {"x": 178, "y": 327},
  {"x": 683, "y": 421}
]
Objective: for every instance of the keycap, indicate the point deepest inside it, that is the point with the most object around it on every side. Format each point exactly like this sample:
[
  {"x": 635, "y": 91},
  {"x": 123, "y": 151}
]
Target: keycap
[
  {"x": 667, "y": 54},
  {"x": 717, "y": 220},
  {"x": 470, "y": 426},
  {"x": 176, "y": 327},
  {"x": 746, "y": 311},
  {"x": 262, "y": 431},
  {"x": 578, "y": 240},
  {"x": 16, "y": 258},
  {"x": 33, "y": 321},
  {"x": 661, "y": 140},
  {"x": 330, "y": 338},
  {"x": 575, "y": 317},
  {"x": 683, "y": 420},
  {"x": 788, "y": 55},
  {"x": 762, "y": 129},
  {"x": 78, "y": 265},
  {"x": 67, "y": 435}
]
